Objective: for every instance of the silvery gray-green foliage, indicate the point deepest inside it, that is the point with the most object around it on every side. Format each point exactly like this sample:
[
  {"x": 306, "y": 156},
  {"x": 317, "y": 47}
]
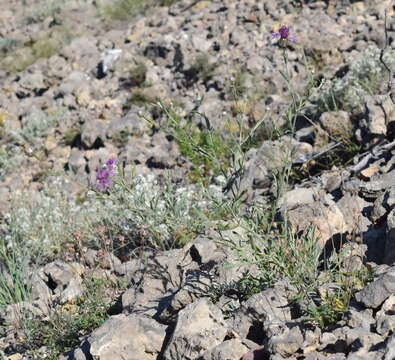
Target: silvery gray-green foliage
[
  {"x": 41, "y": 224},
  {"x": 366, "y": 76},
  {"x": 10, "y": 158},
  {"x": 36, "y": 230},
  {"x": 40, "y": 123},
  {"x": 50, "y": 217},
  {"x": 6, "y": 45},
  {"x": 37, "y": 124},
  {"x": 167, "y": 213},
  {"x": 33, "y": 231}
]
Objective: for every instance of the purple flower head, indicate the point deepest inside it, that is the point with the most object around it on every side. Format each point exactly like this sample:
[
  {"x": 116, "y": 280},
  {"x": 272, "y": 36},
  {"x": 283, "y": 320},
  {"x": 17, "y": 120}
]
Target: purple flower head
[
  {"x": 105, "y": 174},
  {"x": 284, "y": 33},
  {"x": 111, "y": 161}
]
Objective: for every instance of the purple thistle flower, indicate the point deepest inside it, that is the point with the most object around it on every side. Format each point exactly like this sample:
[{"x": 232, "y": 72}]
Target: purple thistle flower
[
  {"x": 111, "y": 161},
  {"x": 105, "y": 174},
  {"x": 284, "y": 33}
]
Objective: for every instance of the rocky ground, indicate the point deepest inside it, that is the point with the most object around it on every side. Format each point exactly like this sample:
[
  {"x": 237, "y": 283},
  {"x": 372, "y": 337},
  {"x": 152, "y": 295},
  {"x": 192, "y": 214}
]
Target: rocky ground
[{"x": 250, "y": 211}]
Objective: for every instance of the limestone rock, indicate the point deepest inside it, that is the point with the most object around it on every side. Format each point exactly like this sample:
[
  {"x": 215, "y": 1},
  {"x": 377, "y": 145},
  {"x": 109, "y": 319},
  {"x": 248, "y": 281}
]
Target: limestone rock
[
  {"x": 375, "y": 293},
  {"x": 126, "y": 337},
  {"x": 200, "y": 327},
  {"x": 228, "y": 350}
]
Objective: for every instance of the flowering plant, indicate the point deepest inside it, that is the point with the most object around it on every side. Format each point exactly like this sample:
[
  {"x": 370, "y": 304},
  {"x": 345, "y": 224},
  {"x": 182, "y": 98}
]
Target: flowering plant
[
  {"x": 284, "y": 33},
  {"x": 105, "y": 174}
]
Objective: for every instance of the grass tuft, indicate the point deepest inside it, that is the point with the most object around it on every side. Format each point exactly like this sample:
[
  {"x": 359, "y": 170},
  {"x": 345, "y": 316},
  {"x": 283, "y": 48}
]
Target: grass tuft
[{"x": 63, "y": 329}]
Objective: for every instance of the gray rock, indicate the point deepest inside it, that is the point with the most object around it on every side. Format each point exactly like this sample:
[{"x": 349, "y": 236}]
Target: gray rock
[
  {"x": 379, "y": 269},
  {"x": 77, "y": 161},
  {"x": 270, "y": 156},
  {"x": 93, "y": 130},
  {"x": 332, "y": 180},
  {"x": 256, "y": 174},
  {"x": 385, "y": 324},
  {"x": 155, "y": 280},
  {"x": 206, "y": 252},
  {"x": 200, "y": 42},
  {"x": 255, "y": 63},
  {"x": 200, "y": 327},
  {"x": 260, "y": 353},
  {"x": 375, "y": 293},
  {"x": 334, "y": 341},
  {"x": 359, "y": 318},
  {"x": 269, "y": 307},
  {"x": 311, "y": 340},
  {"x": 313, "y": 207},
  {"x": 228, "y": 350},
  {"x": 324, "y": 23},
  {"x": 358, "y": 338},
  {"x": 33, "y": 82},
  {"x": 377, "y": 184},
  {"x": 352, "y": 207},
  {"x": 389, "y": 351},
  {"x": 286, "y": 343},
  {"x": 159, "y": 52},
  {"x": 379, "y": 113},
  {"x": 83, "y": 51},
  {"x": 213, "y": 108},
  {"x": 130, "y": 125},
  {"x": 64, "y": 279},
  {"x": 327, "y": 338},
  {"x": 73, "y": 82},
  {"x": 129, "y": 269},
  {"x": 58, "y": 67},
  {"x": 235, "y": 35},
  {"x": 385, "y": 317},
  {"x": 363, "y": 354},
  {"x": 337, "y": 124},
  {"x": 40, "y": 289},
  {"x": 125, "y": 337},
  {"x": 383, "y": 204},
  {"x": 161, "y": 155},
  {"x": 197, "y": 284},
  {"x": 280, "y": 357},
  {"x": 238, "y": 37},
  {"x": 300, "y": 196},
  {"x": 137, "y": 150},
  {"x": 14, "y": 313},
  {"x": 108, "y": 260}
]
